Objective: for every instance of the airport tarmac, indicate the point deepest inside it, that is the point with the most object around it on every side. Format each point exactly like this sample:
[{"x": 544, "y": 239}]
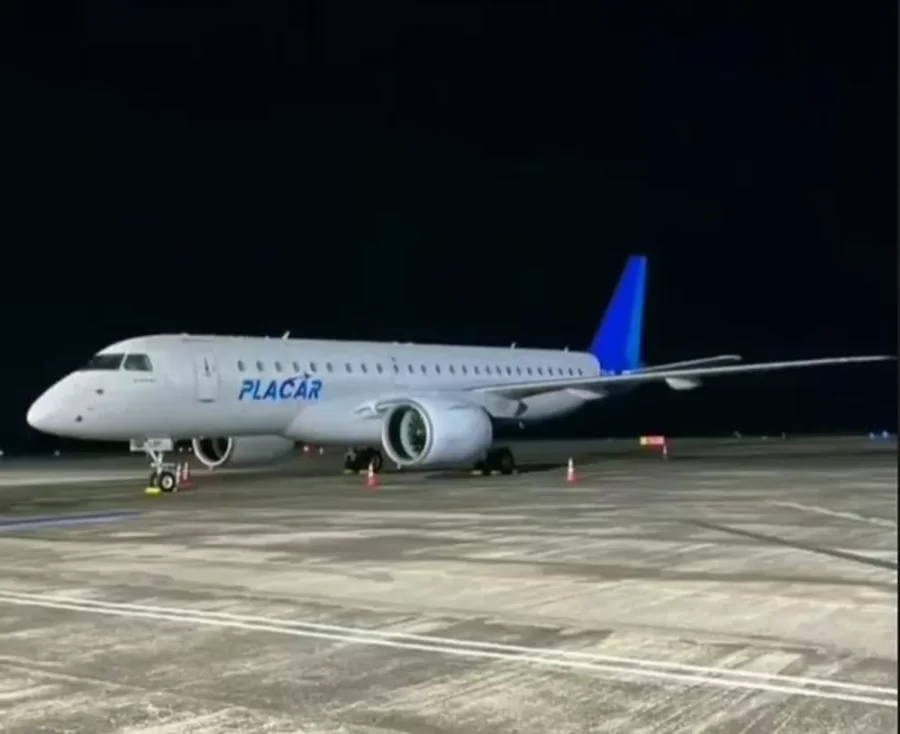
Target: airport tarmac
[{"x": 740, "y": 586}]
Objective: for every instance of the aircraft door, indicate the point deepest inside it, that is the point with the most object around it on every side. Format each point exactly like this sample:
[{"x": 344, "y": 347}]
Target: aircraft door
[{"x": 207, "y": 378}]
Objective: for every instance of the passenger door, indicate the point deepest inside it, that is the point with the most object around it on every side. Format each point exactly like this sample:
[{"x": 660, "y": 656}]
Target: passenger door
[{"x": 207, "y": 378}]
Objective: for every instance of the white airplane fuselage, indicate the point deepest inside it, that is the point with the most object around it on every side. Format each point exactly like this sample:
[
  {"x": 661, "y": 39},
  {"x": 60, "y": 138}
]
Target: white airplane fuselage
[
  {"x": 305, "y": 390},
  {"x": 248, "y": 399}
]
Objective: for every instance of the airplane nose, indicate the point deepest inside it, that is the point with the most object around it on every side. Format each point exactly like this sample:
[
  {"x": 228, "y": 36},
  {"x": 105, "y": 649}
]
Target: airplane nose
[{"x": 40, "y": 414}]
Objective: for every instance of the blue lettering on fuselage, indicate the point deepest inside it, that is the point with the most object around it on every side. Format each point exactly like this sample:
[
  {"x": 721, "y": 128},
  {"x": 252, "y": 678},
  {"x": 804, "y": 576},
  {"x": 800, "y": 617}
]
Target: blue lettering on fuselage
[{"x": 293, "y": 388}]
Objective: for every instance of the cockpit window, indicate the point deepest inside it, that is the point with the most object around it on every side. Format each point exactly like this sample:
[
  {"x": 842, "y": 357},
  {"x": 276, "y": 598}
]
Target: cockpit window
[
  {"x": 106, "y": 362},
  {"x": 138, "y": 363}
]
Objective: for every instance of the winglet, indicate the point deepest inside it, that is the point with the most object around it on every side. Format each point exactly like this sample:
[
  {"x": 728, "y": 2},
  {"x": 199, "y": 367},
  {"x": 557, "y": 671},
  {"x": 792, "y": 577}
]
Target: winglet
[{"x": 617, "y": 343}]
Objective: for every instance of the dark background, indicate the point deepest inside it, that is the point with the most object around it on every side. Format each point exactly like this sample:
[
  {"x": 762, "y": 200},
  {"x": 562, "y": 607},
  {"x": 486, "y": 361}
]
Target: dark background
[{"x": 461, "y": 172}]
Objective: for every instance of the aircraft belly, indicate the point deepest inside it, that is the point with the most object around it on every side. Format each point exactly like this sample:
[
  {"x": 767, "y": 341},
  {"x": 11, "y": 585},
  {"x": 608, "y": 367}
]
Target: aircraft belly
[{"x": 335, "y": 424}]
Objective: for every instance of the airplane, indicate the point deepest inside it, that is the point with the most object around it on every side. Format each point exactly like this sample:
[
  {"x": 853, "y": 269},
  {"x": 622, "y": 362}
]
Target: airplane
[{"x": 245, "y": 400}]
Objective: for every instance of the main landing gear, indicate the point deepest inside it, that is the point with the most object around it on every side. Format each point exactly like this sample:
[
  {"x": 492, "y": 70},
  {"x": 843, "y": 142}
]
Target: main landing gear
[
  {"x": 497, "y": 460},
  {"x": 357, "y": 459}
]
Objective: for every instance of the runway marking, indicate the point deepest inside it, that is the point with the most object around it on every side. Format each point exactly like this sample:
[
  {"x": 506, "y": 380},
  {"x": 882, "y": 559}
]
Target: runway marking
[
  {"x": 884, "y": 522},
  {"x": 63, "y": 479},
  {"x": 558, "y": 658},
  {"x": 799, "y": 545},
  {"x": 44, "y": 521}
]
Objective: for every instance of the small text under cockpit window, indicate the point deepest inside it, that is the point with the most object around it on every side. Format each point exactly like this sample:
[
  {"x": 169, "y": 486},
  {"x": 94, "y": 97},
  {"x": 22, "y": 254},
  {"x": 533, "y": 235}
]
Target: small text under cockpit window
[
  {"x": 107, "y": 362},
  {"x": 138, "y": 363}
]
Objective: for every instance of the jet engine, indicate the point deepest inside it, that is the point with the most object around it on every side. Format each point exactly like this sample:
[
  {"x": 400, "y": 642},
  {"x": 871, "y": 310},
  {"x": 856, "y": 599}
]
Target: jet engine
[
  {"x": 432, "y": 431},
  {"x": 240, "y": 451}
]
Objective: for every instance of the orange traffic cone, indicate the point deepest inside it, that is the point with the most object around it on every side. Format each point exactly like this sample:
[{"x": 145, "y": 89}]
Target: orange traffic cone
[
  {"x": 571, "y": 476},
  {"x": 371, "y": 478},
  {"x": 183, "y": 475}
]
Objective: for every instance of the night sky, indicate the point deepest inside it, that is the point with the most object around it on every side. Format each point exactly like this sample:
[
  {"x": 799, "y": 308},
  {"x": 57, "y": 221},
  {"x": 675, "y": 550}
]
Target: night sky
[{"x": 462, "y": 172}]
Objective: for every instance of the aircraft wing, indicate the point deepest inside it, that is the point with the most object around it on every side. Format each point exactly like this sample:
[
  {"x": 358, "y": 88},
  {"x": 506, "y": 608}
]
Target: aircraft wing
[
  {"x": 661, "y": 374},
  {"x": 703, "y": 362}
]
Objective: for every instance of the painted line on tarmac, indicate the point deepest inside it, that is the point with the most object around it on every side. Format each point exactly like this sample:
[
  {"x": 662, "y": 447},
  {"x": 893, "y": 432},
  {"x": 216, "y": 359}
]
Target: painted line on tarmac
[
  {"x": 573, "y": 660},
  {"x": 27, "y": 523},
  {"x": 845, "y": 515}
]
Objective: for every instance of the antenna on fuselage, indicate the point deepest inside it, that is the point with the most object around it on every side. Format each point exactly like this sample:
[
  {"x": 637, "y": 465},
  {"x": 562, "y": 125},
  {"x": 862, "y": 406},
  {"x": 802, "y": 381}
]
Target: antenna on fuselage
[
  {"x": 286, "y": 335},
  {"x": 512, "y": 346}
]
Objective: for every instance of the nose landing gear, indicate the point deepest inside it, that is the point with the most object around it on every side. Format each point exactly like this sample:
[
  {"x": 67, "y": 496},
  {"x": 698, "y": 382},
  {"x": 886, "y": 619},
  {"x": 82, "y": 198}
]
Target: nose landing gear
[{"x": 163, "y": 474}]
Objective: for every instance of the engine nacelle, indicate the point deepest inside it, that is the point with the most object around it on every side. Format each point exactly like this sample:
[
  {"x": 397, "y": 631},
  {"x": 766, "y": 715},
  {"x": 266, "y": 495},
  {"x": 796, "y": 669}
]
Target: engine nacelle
[
  {"x": 431, "y": 431},
  {"x": 240, "y": 451}
]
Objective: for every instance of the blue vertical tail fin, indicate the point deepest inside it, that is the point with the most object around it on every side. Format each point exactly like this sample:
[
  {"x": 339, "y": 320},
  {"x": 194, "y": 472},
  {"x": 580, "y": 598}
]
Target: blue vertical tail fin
[{"x": 617, "y": 343}]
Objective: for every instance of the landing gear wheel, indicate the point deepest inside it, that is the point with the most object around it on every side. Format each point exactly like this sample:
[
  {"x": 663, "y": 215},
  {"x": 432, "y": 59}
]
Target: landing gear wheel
[
  {"x": 359, "y": 460},
  {"x": 505, "y": 461},
  {"x": 497, "y": 460},
  {"x": 166, "y": 481}
]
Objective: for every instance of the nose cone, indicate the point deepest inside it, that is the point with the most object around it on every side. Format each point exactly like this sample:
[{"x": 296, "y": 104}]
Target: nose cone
[
  {"x": 40, "y": 414},
  {"x": 54, "y": 411}
]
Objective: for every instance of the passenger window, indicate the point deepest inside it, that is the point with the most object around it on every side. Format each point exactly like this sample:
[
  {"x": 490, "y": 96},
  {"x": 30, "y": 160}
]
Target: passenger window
[
  {"x": 580, "y": 372},
  {"x": 138, "y": 363},
  {"x": 452, "y": 370},
  {"x": 363, "y": 367},
  {"x": 487, "y": 369},
  {"x": 312, "y": 367},
  {"x": 463, "y": 368},
  {"x": 437, "y": 369},
  {"x": 296, "y": 367},
  {"x": 570, "y": 371},
  {"x": 528, "y": 370},
  {"x": 328, "y": 366},
  {"x": 424, "y": 369},
  {"x": 508, "y": 370},
  {"x": 397, "y": 368},
  {"x": 379, "y": 368},
  {"x": 278, "y": 366},
  {"x": 540, "y": 371},
  {"x": 260, "y": 366},
  {"x": 104, "y": 362},
  {"x": 348, "y": 367},
  {"x": 518, "y": 370},
  {"x": 241, "y": 366},
  {"x": 475, "y": 370},
  {"x": 410, "y": 368}
]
